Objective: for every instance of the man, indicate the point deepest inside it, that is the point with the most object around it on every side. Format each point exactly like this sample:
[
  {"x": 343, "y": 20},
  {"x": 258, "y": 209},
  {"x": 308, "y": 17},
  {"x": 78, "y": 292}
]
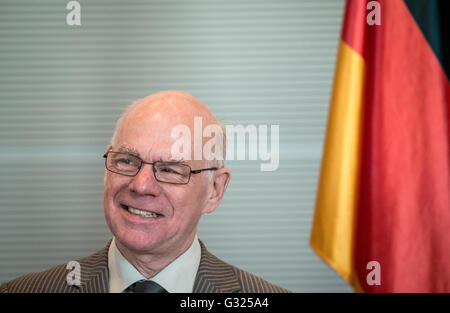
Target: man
[{"x": 153, "y": 200}]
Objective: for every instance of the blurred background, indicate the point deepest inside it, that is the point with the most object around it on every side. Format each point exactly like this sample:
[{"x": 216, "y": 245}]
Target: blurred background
[{"x": 63, "y": 87}]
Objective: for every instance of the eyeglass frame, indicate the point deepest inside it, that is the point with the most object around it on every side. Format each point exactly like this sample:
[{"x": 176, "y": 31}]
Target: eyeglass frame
[{"x": 191, "y": 171}]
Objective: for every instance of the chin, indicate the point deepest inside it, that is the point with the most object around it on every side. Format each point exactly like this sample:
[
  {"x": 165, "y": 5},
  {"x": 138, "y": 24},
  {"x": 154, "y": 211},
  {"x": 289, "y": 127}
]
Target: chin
[{"x": 137, "y": 241}]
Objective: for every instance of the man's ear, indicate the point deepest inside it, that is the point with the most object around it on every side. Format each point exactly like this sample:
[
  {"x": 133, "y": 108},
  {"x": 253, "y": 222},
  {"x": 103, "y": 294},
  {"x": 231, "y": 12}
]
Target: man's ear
[
  {"x": 109, "y": 147},
  {"x": 217, "y": 189}
]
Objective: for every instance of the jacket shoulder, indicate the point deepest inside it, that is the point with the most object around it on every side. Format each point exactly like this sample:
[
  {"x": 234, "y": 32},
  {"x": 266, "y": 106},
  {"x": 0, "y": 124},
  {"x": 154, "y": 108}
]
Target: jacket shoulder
[
  {"x": 250, "y": 283},
  {"x": 54, "y": 280},
  {"x": 216, "y": 275},
  {"x": 51, "y": 280}
]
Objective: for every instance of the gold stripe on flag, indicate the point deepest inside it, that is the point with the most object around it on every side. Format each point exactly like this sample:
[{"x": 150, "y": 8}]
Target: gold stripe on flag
[{"x": 333, "y": 226}]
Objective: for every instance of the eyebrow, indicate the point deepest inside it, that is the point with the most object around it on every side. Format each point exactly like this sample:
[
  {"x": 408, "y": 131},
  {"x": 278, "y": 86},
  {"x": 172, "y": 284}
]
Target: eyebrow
[
  {"x": 126, "y": 149},
  {"x": 173, "y": 160},
  {"x": 129, "y": 150}
]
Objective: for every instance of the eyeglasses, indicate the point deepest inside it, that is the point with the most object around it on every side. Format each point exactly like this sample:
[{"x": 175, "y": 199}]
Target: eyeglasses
[{"x": 165, "y": 172}]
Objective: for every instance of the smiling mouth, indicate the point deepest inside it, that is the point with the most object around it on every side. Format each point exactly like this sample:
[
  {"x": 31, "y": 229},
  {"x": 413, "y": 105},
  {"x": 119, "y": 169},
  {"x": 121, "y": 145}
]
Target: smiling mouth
[{"x": 142, "y": 213}]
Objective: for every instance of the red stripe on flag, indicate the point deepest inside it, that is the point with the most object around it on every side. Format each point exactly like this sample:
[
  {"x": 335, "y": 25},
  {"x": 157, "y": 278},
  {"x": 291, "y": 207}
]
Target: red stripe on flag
[
  {"x": 354, "y": 25},
  {"x": 403, "y": 217}
]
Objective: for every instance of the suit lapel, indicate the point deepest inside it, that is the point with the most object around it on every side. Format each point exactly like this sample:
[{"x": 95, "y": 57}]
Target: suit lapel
[
  {"x": 214, "y": 275},
  {"x": 95, "y": 272}
]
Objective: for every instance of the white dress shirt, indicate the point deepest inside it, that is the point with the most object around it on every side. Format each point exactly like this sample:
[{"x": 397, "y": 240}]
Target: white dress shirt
[{"x": 178, "y": 276}]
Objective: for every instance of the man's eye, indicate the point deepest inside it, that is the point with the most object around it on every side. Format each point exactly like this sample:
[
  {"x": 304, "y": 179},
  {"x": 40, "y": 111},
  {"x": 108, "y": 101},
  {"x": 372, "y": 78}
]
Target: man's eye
[
  {"x": 125, "y": 161},
  {"x": 169, "y": 170}
]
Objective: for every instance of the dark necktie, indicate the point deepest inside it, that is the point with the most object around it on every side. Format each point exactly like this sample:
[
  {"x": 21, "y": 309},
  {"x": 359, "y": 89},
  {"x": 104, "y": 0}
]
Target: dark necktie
[{"x": 145, "y": 286}]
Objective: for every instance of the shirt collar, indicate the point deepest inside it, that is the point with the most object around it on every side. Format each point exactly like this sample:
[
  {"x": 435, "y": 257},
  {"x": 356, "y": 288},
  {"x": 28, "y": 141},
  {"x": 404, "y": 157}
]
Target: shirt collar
[{"x": 177, "y": 277}]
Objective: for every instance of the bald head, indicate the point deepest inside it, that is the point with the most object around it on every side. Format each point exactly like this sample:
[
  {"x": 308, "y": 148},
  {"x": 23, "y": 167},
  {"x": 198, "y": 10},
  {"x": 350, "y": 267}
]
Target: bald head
[{"x": 156, "y": 115}]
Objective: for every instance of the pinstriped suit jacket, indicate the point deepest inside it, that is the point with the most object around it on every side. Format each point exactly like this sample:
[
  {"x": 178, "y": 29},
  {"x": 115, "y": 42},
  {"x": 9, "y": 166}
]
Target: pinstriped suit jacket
[{"x": 214, "y": 275}]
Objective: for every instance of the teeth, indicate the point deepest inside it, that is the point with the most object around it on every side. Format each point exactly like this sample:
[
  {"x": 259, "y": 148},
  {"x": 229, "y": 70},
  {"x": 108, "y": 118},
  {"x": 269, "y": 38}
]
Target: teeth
[{"x": 141, "y": 213}]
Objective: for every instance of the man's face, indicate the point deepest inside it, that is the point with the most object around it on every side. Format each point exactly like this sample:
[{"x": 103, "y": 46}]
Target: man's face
[{"x": 178, "y": 207}]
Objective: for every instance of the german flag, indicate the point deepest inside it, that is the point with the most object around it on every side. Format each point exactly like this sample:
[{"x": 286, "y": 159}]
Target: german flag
[{"x": 382, "y": 216}]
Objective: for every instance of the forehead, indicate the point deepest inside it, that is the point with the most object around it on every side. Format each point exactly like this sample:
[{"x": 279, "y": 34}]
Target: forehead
[
  {"x": 146, "y": 128},
  {"x": 145, "y": 125}
]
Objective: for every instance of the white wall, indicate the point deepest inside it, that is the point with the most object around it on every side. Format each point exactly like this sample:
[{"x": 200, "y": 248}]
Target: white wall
[{"x": 62, "y": 88}]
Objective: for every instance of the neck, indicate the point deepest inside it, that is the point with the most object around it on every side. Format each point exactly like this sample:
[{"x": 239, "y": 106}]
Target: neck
[{"x": 150, "y": 263}]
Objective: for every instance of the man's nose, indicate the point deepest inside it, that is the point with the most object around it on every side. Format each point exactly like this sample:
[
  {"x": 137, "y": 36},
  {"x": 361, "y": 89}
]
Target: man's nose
[{"x": 144, "y": 182}]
